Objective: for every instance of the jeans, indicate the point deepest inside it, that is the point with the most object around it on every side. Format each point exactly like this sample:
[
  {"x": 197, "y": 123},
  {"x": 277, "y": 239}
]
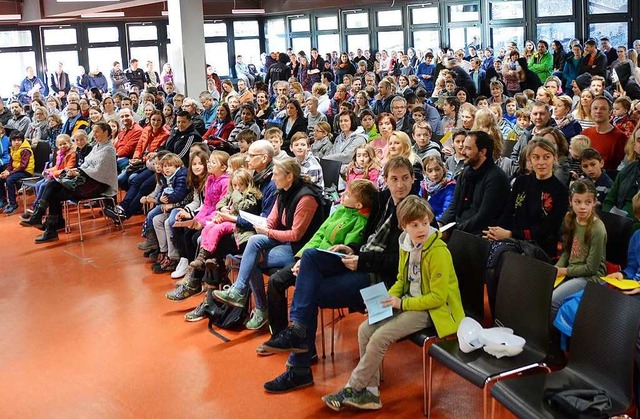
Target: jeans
[
  {"x": 323, "y": 281},
  {"x": 172, "y": 251},
  {"x": 141, "y": 185},
  {"x": 148, "y": 222},
  {"x": 125, "y": 178},
  {"x": 122, "y": 163},
  {"x": 276, "y": 254},
  {"x": 565, "y": 289},
  {"x": 11, "y": 182}
]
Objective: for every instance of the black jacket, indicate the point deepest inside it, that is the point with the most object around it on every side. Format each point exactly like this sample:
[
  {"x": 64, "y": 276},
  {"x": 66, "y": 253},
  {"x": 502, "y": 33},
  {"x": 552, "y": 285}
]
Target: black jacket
[
  {"x": 5, "y": 115},
  {"x": 300, "y": 125},
  {"x": 599, "y": 67},
  {"x": 487, "y": 196},
  {"x": 181, "y": 141}
]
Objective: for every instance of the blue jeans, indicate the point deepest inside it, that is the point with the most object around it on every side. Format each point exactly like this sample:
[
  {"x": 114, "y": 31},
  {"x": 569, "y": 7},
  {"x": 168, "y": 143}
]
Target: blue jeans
[
  {"x": 141, "y": 185},
  {"x": 148, "y": 222},
  {"x": 8, "y": 186},
  {"x": 276, "y": 255},
  {"x": 125, "y": 178},
  {"x": 122, "y": 163},
  {"x": 323, "y": 281}
]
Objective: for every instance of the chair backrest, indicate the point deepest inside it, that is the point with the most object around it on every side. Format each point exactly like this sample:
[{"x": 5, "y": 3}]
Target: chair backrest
[
  {"x": 469, "y": 254},
  {"x": 330, "y": 172},
  {"x": 523, "y": 301},
  {"x": 619, "y": 232},
  {"x": 41, "y": 153},
  {"x": 508, "y": 148},
  {"x": 603, "y": 341}
]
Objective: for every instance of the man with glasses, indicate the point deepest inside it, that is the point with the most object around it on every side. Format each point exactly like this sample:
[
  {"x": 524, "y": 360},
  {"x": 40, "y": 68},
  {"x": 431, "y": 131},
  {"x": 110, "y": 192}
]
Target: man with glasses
[
  {"x": 404, "y": 122},
  {"x": 260, "y": 161},
  {"x": 75, "y": 120}
]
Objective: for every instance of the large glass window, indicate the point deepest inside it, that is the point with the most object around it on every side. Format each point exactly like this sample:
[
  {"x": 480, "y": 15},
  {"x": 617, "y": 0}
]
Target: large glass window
[
  {"x": 15, "y": 39},
  {"x": 424, "y": 15},
  {"x": 617, "y": 32},
  {"x": 13, "y": 69},
  {"x": 246, "y": 28},
  {"x": 143, "y": 33},
  {"x": 103, "y": 58},
  {"x": 69, "y": 60},
  {"x": 503, "y": 35},
  {"x": 608, "y": 6},
  {"x": 356, "y": 41},
  {"x": 389, "y": 18},
  {"x": 215, "y": 29},
  {"x": 426, "y": 39},
  {"x": 275, "y": 35},
  {"x": 507, "y": 9},
  {"x": 555, "y": 8},
  {"x": 563, "y": 32},
  {"x": 464, "y": 13},
  {"x": 357, "y": 20},
  {"x": 328, "y": 43},
  {"x": 103, "y": 34},
  {"x": 144, "y": 54},
  {"x": 327, "y": 23},
  {"x": 249, "y": 49},
  {"x": 302, "y": 43},
  {"x": 300, "y": 24},
  {"x": 217, "y": 55},
  {"x": 391, "y": 41},
  {"x": 62, "y": 36},
  {"x": 460, "y": 37}
]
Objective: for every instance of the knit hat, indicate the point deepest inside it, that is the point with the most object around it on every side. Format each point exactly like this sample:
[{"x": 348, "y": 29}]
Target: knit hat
[{"x": 583, "y": 81}]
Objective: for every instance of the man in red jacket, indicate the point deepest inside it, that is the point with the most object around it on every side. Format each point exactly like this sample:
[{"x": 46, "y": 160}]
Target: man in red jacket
[{"x": 127, "y": 138}]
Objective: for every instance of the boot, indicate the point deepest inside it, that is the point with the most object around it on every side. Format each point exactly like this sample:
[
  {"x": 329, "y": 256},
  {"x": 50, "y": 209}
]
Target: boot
[
  {"x": 59, "y": 227},
  {"x": 151, "y": 243},
  {"x": 36, "y": 218},
  {"x": 199, "y": 261},
  {"x": 50, "y": 233}
]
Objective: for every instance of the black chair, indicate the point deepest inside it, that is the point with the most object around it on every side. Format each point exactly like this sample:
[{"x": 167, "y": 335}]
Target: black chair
[
  {"x": 619, "y": 232},
  {"x": 330, "y": 172},
  {"x": 41, "y": 154},
  {"x": 508, "y": 148},
  {"x": 469, "y": 254},
  {"x": 601, "y": 356},
  {"x": 523, "y": 304}
]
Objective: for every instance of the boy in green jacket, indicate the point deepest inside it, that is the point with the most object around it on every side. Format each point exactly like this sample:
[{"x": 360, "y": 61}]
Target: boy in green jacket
[
  {"x": 345, "y": 226},
  {"x": 426, "y": 293}
]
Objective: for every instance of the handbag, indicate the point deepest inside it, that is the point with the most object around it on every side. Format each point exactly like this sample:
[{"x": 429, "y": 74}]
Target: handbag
[
  {"x": 136, "y": 167},
  {"x": 72, "y": 183}
]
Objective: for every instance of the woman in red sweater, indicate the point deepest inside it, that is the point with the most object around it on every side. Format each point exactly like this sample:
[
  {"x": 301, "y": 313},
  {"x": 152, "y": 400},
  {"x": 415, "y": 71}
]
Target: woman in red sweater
[{"x": 220, "y": 128}]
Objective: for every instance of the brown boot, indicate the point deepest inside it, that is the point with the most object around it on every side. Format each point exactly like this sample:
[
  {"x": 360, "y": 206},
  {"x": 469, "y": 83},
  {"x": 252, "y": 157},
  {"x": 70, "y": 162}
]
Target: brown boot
[{"x": 198, "y": 263}]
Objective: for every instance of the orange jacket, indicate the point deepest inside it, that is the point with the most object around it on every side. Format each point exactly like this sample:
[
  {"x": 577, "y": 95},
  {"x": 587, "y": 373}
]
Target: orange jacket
[
  {"x": 150, "y": 142},
  {"x": 68, "y": 162},
  {"x": 128, "y": 140}
]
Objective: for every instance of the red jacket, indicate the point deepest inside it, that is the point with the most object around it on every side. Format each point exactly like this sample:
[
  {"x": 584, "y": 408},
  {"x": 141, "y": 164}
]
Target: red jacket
[{"x": 128, "y": 140}]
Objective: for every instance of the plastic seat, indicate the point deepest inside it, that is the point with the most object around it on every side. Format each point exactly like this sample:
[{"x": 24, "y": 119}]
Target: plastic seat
[
  {"x": 469, "y": 254},
  {"x": 41, "y": 153},
  {"x": 619, "y": 231},
  {"x": 102, "y": 200},
  {"x": 523, "y": 304},
  {"x": 601, "y": 356}
]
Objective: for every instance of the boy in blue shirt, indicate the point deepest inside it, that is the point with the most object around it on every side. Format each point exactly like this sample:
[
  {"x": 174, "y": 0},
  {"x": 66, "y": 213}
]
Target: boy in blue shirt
[{"x": 592, "y": 164}]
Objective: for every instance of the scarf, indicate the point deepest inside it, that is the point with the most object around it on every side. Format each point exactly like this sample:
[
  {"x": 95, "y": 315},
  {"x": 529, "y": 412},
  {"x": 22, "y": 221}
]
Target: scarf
[
  {"x": 565, "y": 121},
  {"x": 434, "y": 187},
  {"x": 260, "y": 177},
  {"x": 60, "y": 158}
]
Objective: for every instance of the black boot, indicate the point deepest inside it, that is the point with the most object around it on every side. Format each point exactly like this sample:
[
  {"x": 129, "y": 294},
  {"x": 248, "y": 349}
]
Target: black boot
[
  {"x": 50, "y": 233},
  {"x": 36, "y": 218},
  {"x": 60, "y": 225}
]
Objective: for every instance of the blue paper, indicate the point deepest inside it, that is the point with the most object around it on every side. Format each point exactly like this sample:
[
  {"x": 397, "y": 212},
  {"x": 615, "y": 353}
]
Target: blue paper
[{"x": 373, "y": 297}]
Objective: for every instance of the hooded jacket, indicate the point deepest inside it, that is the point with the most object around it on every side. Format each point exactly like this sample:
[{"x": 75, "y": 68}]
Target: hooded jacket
[{"x": 440, "y": 293}]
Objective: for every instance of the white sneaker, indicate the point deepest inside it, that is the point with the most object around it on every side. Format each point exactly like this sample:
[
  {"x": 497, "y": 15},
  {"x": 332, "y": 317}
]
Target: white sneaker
[{"x": 181, "y": 269}]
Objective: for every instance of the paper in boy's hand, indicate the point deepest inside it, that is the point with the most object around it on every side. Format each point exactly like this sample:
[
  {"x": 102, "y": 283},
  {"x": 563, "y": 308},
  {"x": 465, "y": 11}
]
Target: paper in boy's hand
[
  {"x": 338, "y": 254},
  {"x": 373, "y": 297}
]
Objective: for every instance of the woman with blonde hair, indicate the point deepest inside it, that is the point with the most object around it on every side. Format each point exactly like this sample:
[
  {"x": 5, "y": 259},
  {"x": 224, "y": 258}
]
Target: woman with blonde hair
[
  {"x": 400, "y": 145},
  {"x": 485, "y": 121},
  {"x": 582, "y": 113}
]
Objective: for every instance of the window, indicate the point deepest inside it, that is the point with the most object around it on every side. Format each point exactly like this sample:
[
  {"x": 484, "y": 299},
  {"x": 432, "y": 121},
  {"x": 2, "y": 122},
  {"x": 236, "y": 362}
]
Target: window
[
  {"x": 217, "y": 55},
  {"x": 391, "y": 41},
  {"x": 274, "y": 34},
  {"x": 64, "y": 36},
  {"x": 144, "y": 54},
  {"x": 563, "y": 32},
  {"x": 460, "y": 37},
  {"x": 555, "y": 8},
  {"x": 507, "y": 9},
  {"x": 300, "y": 24},
  {"x": 103, "y": 58},
  {"x": 608, "y": 6},
  {"x": 249, "y": 49},
  {"x": 13, "y": 69},
  {"x": 69, "y": 60},
  {"x": 301, "y": 44},
  {"x": 464, "y": 13},
  {"x": 143, "y": 33},
  {"x": 328, "y": 43},
  {"x": 357, "y": 20},
  {"x": 15, "y": 39},
  {"x": 424, "y": 15},
  {"x": 502, "y": 35},
  {"x": 390, "y": 18},
  {"x": 103, "y": 34},
  {"x": 215, "y": 29},
  {"x": 617, "y": 32},
  {"x": 426, "y": 39},
  {"x": 246, "y": 28},
  {"x": 356, "y": 41},
  {"x": 276, "y": 44},
  {"x": 326, "y": 23}
]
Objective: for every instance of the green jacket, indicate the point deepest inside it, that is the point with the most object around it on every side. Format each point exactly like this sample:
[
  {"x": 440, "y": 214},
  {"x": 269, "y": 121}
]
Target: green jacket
[
  {"x": 345, "y": 226},
  {"x": 542, "y": 66},
  {"x": 440, "y": 293}
]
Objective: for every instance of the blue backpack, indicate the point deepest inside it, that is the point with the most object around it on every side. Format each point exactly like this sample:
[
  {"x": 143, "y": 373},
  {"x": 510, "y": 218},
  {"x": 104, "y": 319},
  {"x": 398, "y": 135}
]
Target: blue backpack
[{"x": 566, "y": 316}]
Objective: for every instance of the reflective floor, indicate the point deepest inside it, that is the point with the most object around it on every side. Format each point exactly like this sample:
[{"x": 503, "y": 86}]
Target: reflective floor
[{"x": 85, "y": 331}]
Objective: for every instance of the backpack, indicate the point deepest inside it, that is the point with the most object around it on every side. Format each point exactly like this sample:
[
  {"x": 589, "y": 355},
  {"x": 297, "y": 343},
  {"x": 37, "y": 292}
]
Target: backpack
[{"x": 226, "y": 316}]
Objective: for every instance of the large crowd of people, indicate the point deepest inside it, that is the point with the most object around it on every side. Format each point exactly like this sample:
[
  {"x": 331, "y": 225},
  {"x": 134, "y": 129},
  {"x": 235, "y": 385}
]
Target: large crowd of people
[{"x": 519, "y": 145}]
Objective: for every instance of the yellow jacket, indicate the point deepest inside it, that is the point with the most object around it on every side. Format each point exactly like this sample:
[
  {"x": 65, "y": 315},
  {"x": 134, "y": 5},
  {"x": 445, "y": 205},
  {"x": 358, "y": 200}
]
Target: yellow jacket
[{"x": 16, "y": 158}]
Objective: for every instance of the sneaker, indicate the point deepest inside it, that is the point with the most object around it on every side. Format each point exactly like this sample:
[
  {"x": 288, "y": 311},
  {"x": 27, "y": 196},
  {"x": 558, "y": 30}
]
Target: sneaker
[
  {"x": 286, "y": 341},
  {"x": 148, "y": 245},
  {"x": 197, "y": 313},
  {"x": 158, "y": 261},
  {"x": 183, "y": 292},
  {"x": 167, "y": 265},
  {"x": 181, "y": 269},
  {"x": 257, "y": 320},
  {"x": 335, "y": 401},
  {"x": 153, "y": 256},
  {"x": 10, "y": 208},
  {"x": 363, "y": 399},
  {"x": 115, "y": 217},
  {"x": 230, "y": 296},
  {"x": 292, "y": 379}
]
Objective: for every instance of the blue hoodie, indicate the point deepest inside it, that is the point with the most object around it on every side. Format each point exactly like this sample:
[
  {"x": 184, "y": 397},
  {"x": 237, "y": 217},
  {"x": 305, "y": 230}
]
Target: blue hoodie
[{"x": 4, "y": 150}]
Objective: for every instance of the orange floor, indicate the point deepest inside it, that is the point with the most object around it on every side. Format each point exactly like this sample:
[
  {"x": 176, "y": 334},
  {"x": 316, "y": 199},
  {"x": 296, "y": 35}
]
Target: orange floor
[{"x": 85, "y": 331}]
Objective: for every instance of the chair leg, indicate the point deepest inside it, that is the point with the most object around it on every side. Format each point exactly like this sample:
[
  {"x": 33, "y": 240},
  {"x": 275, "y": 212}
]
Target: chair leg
[
  {"x": 424, "y": 377},
  {"x": 430, "y": 388},
  {"x": 485, "y": 396},
  {"x": 79, "y": 219},
  {"x": 333, "y": 329},
  {"x": 493, "y": 408},
  {"x": 324, "y": 351}
]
